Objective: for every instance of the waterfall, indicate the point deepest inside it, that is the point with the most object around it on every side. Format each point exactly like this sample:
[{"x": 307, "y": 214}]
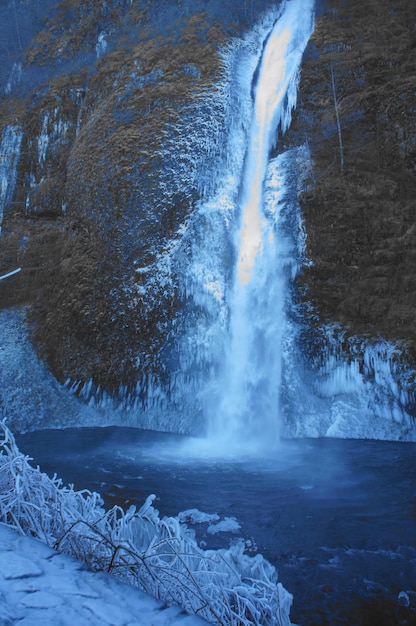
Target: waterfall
[
  {"x": 244, "y": 362},
  {"x": 242, "y": 359},
  {"x": 248, "y": 405},
  {"x": 236, "y": 255}
]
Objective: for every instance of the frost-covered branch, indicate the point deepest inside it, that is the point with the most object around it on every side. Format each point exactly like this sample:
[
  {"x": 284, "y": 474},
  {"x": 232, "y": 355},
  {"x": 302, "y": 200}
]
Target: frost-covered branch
[{"x": 160, "y": 556}]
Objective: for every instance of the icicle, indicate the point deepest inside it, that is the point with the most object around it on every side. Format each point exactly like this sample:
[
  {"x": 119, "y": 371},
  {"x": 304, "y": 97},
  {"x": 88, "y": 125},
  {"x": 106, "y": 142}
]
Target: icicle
[
  {"x": 43, "y": 139},
  {"x": 9, "y": 160}
]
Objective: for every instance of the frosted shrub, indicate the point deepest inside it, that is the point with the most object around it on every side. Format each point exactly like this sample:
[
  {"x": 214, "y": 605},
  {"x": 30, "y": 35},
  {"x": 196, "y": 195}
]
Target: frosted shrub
[{"x": 160, "y": 556}]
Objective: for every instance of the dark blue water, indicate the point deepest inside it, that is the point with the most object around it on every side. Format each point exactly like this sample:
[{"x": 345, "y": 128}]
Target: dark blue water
[{"x": 336, "y": 517}]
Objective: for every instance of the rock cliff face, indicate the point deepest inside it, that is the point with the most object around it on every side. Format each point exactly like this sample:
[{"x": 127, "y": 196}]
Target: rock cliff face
[
  {"x": 109, "y": 121},
  {"x": 107, "y": 126},
  {"x": 357, "y": 113}
]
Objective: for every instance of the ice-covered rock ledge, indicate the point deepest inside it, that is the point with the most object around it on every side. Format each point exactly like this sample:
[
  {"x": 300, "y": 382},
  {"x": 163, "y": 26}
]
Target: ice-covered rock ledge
[
  {"x": 30, "y": 396},
  {"x": 28, "y": 389},
  {"x": 363, "y": 388}
]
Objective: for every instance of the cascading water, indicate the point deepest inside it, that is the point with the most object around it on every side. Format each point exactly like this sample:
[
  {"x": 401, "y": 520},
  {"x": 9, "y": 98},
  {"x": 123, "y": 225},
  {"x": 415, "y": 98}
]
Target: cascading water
[
  {"x": 236, "y": 255},
  {"x": 248, "y": 406}
]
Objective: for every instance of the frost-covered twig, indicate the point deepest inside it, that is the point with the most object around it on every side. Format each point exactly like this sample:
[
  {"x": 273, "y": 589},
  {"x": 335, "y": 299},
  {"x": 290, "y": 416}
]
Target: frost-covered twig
[{"x": 160, "y": 556}]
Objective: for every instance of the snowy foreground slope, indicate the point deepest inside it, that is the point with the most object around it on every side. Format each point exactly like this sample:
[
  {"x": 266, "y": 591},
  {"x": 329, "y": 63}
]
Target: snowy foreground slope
[{"x": 39, "y": 586}]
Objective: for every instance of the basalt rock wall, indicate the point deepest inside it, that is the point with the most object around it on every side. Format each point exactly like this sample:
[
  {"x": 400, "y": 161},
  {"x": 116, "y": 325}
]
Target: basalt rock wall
[{"x": 357, "y": 114}]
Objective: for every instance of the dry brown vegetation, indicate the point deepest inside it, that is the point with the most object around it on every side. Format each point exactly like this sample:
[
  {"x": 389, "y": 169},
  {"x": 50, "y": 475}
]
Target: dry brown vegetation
[{"x": 59, "y": 38}]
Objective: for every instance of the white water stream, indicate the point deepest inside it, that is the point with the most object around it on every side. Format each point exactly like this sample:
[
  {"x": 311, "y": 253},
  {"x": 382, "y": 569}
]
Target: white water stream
[{"x": 248, "y": 405}]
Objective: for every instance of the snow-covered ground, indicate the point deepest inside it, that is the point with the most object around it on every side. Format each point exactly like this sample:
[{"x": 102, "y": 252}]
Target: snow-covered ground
[{"x": 42, "y": 587}]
